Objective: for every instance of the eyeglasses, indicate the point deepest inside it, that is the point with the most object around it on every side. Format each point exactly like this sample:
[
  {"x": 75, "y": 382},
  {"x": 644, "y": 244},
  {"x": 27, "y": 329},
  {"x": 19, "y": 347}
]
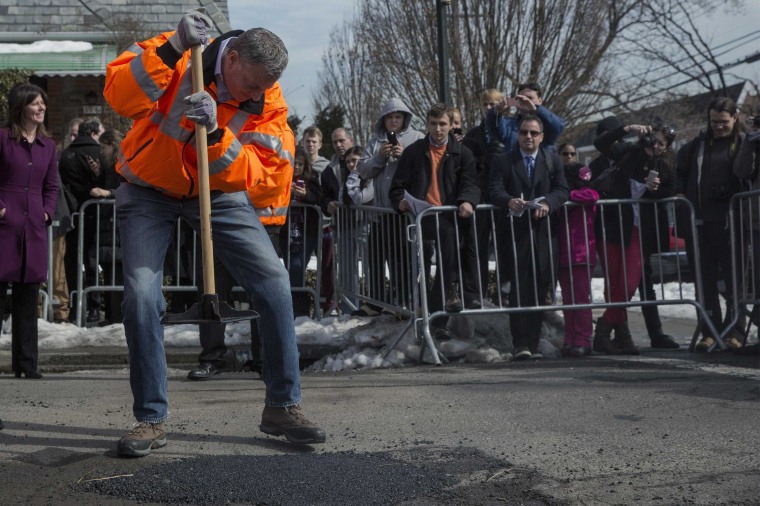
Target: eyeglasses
[
  {"x": 568, "y": 153},
  {"x": 532, "y": 133}
]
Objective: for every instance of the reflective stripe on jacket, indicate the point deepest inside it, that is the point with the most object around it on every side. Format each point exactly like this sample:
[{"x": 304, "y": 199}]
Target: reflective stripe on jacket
[{"x": 255, "y": 152}]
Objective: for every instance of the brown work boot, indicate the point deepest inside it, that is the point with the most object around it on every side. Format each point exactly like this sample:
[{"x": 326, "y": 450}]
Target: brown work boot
[
  {"x": 602, "y": 338},
  {"x": 143, "y": 437},
  {"x": 623, "y": 340},
  {"x": 292, "y": 424},
  {"x": 453, "y": 302}
]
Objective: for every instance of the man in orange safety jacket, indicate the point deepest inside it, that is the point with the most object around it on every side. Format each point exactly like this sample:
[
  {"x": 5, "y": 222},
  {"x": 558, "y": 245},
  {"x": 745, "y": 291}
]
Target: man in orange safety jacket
[{"x": 249, "y": 155}]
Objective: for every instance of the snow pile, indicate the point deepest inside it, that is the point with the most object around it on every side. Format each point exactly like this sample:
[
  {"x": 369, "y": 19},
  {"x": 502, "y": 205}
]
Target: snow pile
[
  {"x": 365, "y": 343},
  {"x": 46, "y": 46}
]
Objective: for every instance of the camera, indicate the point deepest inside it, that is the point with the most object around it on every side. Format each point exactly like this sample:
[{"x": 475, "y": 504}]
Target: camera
[
  {"x": 392, "y": 138},
  {"x": 647, "y": 140},
  {"x": 456, "y": 131}
]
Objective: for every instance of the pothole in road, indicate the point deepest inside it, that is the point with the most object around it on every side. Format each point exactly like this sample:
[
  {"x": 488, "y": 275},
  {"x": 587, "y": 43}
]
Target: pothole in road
[{"x": 418, "y": 476}]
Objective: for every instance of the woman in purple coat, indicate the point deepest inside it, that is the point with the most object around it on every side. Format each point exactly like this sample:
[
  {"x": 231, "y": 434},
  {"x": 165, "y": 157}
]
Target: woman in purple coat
[{"x": 28, "y": 192}]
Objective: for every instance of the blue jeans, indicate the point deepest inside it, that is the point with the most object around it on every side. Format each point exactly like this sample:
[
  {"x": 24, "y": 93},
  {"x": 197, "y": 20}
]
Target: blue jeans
[{"x": 146, "y": 223}]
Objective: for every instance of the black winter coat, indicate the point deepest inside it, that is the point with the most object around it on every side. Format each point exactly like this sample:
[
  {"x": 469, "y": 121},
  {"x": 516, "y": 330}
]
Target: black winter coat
[
  {"x": 75, "y": 171},
  {"x": 484, "y": 150},
  {"x": 457, "y": 175},
  {"x": 634, "y": 163},
  {"x": 709, "y": 189}
]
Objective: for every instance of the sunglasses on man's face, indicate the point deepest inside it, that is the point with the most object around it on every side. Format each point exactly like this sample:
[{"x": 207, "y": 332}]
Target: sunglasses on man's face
[
  {"x": 532, "y": 133},
  {"x": 568, "y": 153}
]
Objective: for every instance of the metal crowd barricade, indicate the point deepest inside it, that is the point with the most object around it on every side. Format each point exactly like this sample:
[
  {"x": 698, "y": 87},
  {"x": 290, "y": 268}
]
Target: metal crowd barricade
[
  {"x": 105, "y": 255},
  {"x": 310, "y": 213},
  {"x": 744, "y": 222},
  {"x": 506, "y": 257},
  {"x": 374, "y": 258},
  {"x": 178, "y": 277},
  {"x": 376, "y": 263},
  {"x": 47, "y": 294}
]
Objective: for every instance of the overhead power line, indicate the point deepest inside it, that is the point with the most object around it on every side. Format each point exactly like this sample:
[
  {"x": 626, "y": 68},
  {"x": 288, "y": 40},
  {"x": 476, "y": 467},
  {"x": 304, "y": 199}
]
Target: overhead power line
[{"x": 751, "y": 58}]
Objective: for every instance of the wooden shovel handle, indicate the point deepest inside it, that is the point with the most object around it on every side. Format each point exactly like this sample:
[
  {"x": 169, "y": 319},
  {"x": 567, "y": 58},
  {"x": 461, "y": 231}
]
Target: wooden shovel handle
[{"x": 204, "y": 193}]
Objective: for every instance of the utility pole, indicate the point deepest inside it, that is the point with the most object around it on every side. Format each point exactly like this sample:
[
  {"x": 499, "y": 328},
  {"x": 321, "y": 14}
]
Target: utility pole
[{"x": 442, "y": 11}]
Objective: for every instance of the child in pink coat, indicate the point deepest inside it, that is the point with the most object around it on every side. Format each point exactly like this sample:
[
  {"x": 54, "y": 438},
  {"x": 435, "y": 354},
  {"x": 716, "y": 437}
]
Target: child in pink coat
[{"x": 577, "y": 257}]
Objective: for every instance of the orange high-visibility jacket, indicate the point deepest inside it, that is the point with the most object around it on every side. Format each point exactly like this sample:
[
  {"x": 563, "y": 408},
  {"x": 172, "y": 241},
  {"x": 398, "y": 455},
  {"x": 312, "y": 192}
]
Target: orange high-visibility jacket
[{"x": 256, "y": 149}]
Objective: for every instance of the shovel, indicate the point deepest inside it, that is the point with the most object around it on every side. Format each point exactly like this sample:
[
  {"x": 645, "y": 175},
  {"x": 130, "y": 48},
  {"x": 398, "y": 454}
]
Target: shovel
[{"x": 210, "y": 309}]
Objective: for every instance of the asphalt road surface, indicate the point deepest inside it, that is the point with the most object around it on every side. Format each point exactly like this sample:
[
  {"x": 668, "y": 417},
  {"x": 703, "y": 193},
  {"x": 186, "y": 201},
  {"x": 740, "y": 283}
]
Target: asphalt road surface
[{"x": 664, "y": 428}]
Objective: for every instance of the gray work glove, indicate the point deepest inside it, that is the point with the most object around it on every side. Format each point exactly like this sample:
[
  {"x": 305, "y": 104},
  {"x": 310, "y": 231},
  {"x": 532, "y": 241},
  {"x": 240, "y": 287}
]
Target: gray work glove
[
  {"x": 191, "y": 30},
  {"x": 201, "y": 108}
]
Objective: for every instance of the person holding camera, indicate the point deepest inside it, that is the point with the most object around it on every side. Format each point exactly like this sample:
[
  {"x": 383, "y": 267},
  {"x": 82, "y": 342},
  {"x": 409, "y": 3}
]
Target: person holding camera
[
  {"x": 528, "y": 101},
  {"x": 747, "y": 167},
  {"x": 391, "y": 134},
  {"x": 706, "y": 177},
  {"x": 456, "y": 125},
  {"x": 654, "y": 218},
  {"x": 642, "y": 169}
]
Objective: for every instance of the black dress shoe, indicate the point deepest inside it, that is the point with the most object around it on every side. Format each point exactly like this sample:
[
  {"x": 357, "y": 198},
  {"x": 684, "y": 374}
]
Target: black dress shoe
[
  {"x": 203, "y": 372},
  {"x": 93, "y": 315},
  {"x": 29, "y": 375},
  {"x": 663, "y": 341}
]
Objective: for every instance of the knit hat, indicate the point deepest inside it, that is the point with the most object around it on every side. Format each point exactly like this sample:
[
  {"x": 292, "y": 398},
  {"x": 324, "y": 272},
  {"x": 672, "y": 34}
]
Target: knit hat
[
  {"x": 577, "y": 175},
  {"x": 607, "y": 124}
]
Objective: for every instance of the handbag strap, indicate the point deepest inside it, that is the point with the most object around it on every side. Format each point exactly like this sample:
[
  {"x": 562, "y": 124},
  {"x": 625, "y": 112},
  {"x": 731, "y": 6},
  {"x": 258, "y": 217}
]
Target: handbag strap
[{"x": 613, "y": 168}]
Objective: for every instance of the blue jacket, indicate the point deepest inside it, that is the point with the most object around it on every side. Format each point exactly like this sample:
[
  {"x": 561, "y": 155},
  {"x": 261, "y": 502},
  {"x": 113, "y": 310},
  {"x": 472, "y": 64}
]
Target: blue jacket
[{"x": 507, "y": 127}]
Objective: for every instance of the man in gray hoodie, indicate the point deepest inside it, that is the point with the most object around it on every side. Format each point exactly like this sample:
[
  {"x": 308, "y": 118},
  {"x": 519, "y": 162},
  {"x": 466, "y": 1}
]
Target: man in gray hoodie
[
  {"x": 391, "y": 134},
  {"x": 381, "y": 156}
]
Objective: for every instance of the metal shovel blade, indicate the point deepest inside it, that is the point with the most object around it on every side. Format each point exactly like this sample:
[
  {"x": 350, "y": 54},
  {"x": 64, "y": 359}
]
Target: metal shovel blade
[{"x": 209, "y": 310}]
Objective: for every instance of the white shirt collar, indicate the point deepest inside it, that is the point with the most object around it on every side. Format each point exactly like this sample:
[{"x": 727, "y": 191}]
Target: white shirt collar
[{"x": 221, "y": 90}]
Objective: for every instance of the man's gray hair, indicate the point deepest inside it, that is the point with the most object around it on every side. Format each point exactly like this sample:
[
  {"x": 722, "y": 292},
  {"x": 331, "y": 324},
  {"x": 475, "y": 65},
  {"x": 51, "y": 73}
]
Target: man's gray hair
[{"x": 262, "y": 47}]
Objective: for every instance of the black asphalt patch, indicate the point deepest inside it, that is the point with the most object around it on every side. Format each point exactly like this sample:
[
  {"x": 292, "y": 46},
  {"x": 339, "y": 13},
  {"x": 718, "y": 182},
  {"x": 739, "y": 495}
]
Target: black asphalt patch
[{"x": 419, "y": 476}]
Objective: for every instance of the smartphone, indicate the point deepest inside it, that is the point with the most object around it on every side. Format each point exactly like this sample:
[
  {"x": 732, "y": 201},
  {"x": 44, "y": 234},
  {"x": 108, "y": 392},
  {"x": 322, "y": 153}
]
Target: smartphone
[
  {"x": 456, "y": 131},
  {"x": 300, "y": 183},
  {"x": 392, "y": 138},
  {"x": 512, "y": 102}
]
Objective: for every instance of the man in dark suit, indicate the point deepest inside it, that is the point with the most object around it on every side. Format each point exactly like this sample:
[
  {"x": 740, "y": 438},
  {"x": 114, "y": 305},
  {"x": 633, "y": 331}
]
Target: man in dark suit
[{"x": 528, "y": 183}]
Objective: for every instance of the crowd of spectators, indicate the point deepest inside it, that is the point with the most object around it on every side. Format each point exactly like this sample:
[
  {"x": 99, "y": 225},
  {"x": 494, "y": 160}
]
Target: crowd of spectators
[{"x": 510, "y": 160}]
